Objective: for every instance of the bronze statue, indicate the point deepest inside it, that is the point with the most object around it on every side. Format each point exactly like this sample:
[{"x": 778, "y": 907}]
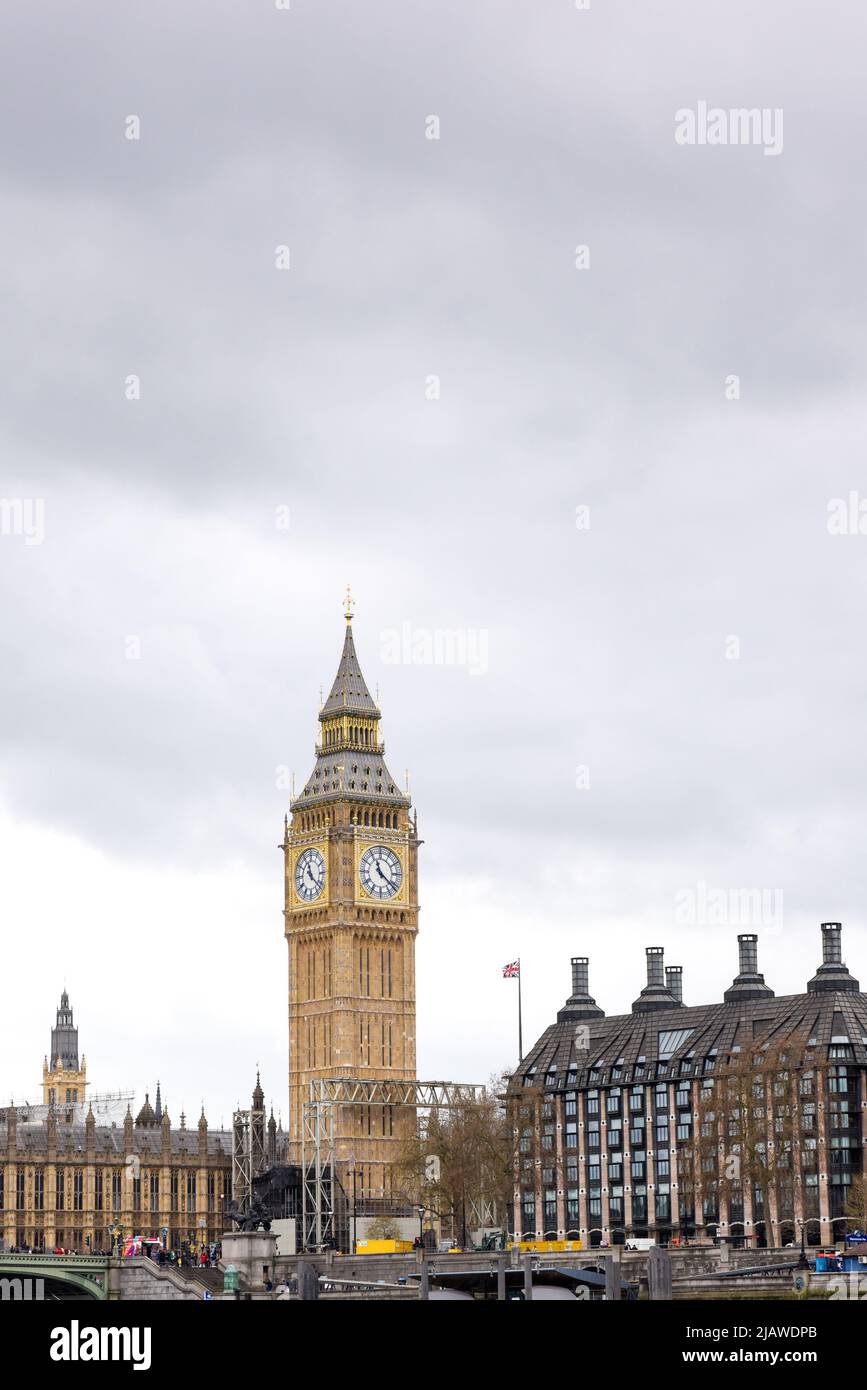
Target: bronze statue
[{"x": 257, "y": 1215}]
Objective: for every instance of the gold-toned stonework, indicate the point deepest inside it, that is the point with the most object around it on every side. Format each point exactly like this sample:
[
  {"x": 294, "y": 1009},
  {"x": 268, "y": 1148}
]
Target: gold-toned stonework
[{"x": 351, "y": 980}]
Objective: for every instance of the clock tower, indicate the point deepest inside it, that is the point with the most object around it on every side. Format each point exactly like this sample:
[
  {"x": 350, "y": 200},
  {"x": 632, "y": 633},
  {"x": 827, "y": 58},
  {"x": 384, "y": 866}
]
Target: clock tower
[{"x": 351, "y": 913}]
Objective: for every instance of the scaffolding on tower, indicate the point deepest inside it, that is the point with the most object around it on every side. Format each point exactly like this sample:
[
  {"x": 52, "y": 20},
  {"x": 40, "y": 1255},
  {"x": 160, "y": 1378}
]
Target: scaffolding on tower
[
  {"x": 249, "y": 1153},
  {"x": 318, "y": 1158}
]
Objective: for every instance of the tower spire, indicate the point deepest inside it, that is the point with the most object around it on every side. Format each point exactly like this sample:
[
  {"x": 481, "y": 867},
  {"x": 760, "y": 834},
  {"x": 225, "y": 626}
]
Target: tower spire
[
  {"x": 349, "y": 754},
  {"x": 349, "y": 693},
  {"x": 351, "y": 853},
  {"x": 63, "y": 1072}
]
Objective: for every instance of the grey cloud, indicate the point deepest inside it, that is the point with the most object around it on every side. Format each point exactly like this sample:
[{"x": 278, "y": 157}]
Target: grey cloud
[{"x": 559, "y": 387}]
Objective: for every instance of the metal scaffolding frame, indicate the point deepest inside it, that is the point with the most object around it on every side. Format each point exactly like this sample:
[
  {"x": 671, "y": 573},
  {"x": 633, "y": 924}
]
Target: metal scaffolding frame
[
  {"x": 317, "y": 1134},
  {"x": 249, "y": 1157}
]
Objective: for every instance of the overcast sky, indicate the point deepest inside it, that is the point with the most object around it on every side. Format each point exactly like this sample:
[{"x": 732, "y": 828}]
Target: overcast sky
[{"x": 540, "y": 453}]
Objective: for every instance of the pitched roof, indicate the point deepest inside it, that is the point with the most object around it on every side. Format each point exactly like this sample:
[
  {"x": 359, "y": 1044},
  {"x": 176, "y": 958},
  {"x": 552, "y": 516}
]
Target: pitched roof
[
  {"x": 671, "y": 1036},
  {"x": 351, "y": 770},
  {"x": 351, "y": 774},
  {"x": 349, "y": 693},
  {"x": 146, "y": 1117}
]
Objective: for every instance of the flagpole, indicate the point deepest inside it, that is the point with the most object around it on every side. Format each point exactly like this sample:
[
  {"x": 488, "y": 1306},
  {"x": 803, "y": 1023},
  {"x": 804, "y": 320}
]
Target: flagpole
[{"x": 520, "y": 1037}]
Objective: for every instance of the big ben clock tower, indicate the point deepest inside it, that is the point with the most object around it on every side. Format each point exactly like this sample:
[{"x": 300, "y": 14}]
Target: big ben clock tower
[{"x": 351, "y": 891}]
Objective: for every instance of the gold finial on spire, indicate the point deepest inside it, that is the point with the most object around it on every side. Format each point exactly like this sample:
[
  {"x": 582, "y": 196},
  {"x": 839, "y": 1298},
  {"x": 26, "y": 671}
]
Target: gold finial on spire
[{"x": 348, "y": 605}]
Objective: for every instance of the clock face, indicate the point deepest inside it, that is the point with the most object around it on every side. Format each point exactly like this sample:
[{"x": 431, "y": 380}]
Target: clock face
[
  {"x": 309, "y": 874},
  {"x": 380, "y": 870}
]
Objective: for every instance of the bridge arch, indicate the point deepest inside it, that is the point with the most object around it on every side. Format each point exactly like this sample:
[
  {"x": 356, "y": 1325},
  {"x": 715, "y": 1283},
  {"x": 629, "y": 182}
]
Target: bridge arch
[{"x": 62, "y": 1279}]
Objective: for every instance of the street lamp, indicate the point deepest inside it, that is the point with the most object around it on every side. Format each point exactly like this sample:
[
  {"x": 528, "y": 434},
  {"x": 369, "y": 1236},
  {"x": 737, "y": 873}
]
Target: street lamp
[
  {"x": 421, "y": 1212},
  {"x": 803, "y": 1262},
  {"x": 117, "y": 1232}
]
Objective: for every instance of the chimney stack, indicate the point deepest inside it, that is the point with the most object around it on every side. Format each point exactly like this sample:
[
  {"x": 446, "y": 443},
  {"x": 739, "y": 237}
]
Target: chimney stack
[
  {"x": 674, "y": 982},
  {"x": 580, "y": 1004},
  {"x": 748, "y": 983},
  {"x": 580, "y": 975},
  {"x": 655, "y": 994},
  {"x": 832, "y": 975},
  {"x": 832, "y": 943},
  {"x": 654, "y": 967},
  {"x": 748, "y": 951}
]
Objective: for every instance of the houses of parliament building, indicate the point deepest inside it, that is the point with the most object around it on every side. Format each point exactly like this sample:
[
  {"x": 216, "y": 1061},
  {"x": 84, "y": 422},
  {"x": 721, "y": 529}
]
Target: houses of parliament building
[
  {"x": 77, "y": 1168},
  {"x": 73, "y": 1179}
]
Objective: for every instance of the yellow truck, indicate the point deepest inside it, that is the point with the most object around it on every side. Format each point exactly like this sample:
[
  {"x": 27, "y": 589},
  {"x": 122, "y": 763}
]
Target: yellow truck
[{"x": 383, "y": 1247}]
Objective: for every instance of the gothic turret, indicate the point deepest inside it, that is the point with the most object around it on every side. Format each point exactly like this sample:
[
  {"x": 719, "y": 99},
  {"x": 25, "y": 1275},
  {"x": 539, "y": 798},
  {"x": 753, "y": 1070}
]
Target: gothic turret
[
  {"x": 146, "y": 1117},
  {"x": 64, "y": 1037},
  {"x": 64, "y": 1076},
  {"x": 203, "y": 1132},
  {"x": 258, "y": 1095},
  {"x": 272, "y": 1138}
]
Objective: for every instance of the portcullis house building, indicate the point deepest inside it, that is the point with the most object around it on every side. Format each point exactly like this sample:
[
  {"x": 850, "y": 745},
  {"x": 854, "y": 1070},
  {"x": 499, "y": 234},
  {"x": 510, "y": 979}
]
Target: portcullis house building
[{"x": 742, "y": 1120}]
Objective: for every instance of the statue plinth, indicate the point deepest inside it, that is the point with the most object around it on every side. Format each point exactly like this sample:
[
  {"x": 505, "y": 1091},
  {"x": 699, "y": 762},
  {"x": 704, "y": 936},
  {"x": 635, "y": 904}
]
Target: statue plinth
[{"x": 252, "y": 1254}]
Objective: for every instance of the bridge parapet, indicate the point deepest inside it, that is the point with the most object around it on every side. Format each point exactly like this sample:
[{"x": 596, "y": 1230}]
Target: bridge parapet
[
  {"x": 55, "y": 1261},
  {"x": 87, "y": 1273}
]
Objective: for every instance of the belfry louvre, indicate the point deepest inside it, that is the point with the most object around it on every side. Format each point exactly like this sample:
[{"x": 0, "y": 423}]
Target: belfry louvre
[{"x": 742, "y": 1121}]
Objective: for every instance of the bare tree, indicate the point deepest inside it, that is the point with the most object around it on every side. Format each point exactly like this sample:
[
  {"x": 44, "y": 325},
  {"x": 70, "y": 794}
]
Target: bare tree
[
  {"x": 855, "y": 1209},
  {"x": 459, "y": 1163},
  {"x": 748, "y": 1129}
]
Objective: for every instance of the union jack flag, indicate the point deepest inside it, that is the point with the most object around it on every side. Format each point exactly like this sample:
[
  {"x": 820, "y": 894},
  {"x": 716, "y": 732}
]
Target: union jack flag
[{"x": 511, "y": 972}]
